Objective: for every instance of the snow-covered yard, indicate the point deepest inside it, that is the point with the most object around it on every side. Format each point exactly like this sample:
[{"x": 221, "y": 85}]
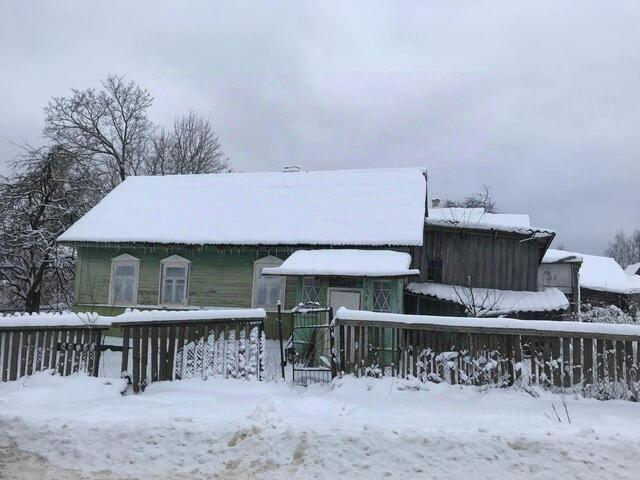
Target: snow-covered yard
[{"x": 81, "y": 427}]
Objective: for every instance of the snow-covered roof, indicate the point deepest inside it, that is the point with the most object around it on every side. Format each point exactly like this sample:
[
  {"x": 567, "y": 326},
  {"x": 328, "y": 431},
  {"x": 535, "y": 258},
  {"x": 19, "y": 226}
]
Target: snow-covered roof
[
  {"x": 347, "y": 262},
  {"x": 594, "y": 329},
  {"x": 477, "y": 218},
  {"x": 488, "y": 301},
  {"x": 553, "y": 255},
  {"x": 633, "y": 269},
  {"x": 605, "y": 275},
  {"x": 342, "y": 207}
]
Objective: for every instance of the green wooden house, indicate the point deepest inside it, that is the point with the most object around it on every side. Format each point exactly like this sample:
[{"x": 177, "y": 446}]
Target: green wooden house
[{"x": 337, "y": 238}]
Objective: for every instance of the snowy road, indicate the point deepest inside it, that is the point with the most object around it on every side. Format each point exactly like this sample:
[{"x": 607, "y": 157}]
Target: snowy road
[{"x": 52, "y": 427}]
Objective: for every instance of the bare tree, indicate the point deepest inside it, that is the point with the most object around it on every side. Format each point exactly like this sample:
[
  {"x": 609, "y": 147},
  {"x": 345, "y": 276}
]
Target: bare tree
[
  {"x": 109, "y": 125},
  {"x": 625, "y": 249},
  {"x": 191, "y": 147},
  {"x": 483, "y": 199},
  {"x": 48, "y": 191}
]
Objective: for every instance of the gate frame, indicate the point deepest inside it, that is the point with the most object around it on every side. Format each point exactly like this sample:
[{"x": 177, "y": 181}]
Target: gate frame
[{"x": 332, "y": 370}]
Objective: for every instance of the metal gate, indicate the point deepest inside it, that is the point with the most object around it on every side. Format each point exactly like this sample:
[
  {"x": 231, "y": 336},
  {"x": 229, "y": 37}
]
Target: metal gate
[{"x": 313, "y": 346}]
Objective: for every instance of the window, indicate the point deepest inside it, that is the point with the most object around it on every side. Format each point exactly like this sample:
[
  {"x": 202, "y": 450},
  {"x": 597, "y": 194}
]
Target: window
[
  {"x": 434, "y": 271},
  {"x": 381, "y": 296},
  {"x": 174, "y": 280},
  {"x": 267, "y": 289},
  {"x": 124, "y": 280},
  {"x": 311, "y": 290}
]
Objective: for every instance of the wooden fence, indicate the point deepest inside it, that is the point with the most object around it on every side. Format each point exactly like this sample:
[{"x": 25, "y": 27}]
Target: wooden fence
[
  {"x": 598, "y": 362},
  {"x": 66, "y": 349},
  {"x": 172, "y": 350}
]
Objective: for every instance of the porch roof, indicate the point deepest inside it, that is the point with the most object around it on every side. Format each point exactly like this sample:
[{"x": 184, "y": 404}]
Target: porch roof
[
  {"x": 346, "y": 263},
  {"x": 491, "y": 302}
]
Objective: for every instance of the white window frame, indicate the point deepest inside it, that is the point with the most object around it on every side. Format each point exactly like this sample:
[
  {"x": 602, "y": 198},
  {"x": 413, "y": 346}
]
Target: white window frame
[
  {"x": 174, "y": 261},
  {"x": 124, "y": 260},
  {"x": 258, "y": 265}
]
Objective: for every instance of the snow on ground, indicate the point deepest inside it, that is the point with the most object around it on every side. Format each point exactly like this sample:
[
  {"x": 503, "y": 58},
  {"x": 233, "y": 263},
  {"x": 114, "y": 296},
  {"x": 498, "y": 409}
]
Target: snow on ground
[{"x": 81, "y": 427}]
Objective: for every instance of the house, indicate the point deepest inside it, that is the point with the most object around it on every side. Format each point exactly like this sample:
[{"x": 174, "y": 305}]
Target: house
[
  {"x": 602, "y": 281},
  {"x": 560, "y": 269},
  {"x": 483, "y": 264},
  {"x": 347, "y": 237}
]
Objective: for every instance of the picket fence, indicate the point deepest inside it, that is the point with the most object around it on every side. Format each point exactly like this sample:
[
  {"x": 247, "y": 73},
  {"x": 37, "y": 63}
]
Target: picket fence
[{"x": 596, "y": 360}]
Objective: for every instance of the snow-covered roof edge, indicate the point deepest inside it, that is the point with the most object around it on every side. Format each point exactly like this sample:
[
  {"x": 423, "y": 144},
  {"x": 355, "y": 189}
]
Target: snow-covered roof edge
[
  {"x": 529, "y": 231},
  {"x": 489, "y": 301},
  {"x": 533, "y": 326},
  {"x": 553, "y": 255},
  {"x": 633, "y": 269}
]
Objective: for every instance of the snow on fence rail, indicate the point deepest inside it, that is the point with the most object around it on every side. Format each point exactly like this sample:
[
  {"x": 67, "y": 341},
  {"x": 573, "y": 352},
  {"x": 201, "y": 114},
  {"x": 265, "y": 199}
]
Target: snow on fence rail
[
  {"x": 599, "y": 360},
  {"x": 67, "y": 343}
]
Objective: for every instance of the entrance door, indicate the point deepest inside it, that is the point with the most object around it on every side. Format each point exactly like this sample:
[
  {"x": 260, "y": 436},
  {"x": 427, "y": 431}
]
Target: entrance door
[{"x": 345, "y": 297}]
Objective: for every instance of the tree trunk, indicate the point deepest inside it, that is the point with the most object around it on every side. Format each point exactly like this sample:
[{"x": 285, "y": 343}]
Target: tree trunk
[{"x": 32, "y": 302}]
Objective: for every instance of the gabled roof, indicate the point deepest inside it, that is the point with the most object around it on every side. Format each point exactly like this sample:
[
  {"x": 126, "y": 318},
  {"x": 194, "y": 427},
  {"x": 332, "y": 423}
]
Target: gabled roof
[
  {"x": 478, "y": 219},
  {"x": 346, "y": 263},
  {"x": 343, "y": 207},
  {"x": 492, "y": 302}
]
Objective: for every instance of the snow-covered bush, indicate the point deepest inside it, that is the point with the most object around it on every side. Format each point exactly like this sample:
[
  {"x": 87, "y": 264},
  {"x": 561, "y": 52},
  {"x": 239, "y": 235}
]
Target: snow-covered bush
[{"x": 607, "y": 314}]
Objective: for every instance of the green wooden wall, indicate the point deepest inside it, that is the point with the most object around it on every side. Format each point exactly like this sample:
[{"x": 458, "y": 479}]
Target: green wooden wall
[{"x": 219, "y": 277}]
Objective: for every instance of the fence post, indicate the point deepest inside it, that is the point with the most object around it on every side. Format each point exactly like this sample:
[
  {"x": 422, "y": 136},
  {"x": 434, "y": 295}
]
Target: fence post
[
  {"x": 281, "y": 340},
  {"x": 97, "y": 350},
  {"x": 332, "y": 344},
  {"x": 260, "y": 349}
]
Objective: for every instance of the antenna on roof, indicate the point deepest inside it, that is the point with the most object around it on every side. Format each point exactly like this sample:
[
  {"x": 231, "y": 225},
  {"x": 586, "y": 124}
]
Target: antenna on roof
[{"x": 291, "y": 168}]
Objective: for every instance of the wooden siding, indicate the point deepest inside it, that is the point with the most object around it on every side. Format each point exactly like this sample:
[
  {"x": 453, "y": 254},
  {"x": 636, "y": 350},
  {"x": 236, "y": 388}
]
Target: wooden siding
[{"x": 492, "y": 259}]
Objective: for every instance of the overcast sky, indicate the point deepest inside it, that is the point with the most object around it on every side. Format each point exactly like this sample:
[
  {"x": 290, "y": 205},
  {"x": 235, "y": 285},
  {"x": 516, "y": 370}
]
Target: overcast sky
[{"x": 539, "y": 100}]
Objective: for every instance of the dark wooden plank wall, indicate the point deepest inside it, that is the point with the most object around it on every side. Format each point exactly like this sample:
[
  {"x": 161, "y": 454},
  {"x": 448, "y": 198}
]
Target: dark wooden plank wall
[
  {"x": 68, "y": 350},
  {"x": 492, "y": 259}
]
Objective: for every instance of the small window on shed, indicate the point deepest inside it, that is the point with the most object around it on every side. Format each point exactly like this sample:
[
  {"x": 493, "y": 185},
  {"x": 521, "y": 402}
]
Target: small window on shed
[
  {"x": 124, "y": 280},
  {"x": 174, "y": 281},
  {"x": 434, "y": 271}
]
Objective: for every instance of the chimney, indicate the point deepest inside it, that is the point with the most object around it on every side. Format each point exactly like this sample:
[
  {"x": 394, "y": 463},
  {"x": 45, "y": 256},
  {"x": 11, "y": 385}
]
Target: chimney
[{"x": 435, "y": 203}]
